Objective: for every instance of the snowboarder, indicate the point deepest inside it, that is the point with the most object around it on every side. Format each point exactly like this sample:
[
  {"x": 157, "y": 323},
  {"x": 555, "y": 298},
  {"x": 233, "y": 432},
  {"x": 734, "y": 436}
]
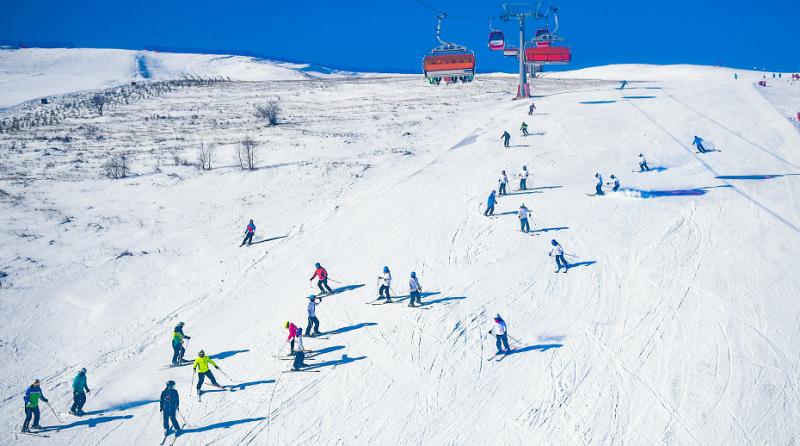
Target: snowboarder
[
  {"x": 623, "y": 84},
  {"x": 177, "y": 344},
  {"x": 414, "y": 290},
  {"x": 299, "y": 354},
  {"x": 313, "y": 323},
  {"x": 500, "y": 332},
  {"x": 643, "y": 167},
  {"x": 249, "y": 232},
  {"x": 523, "y": 218},
  {"x": 32, "y": 397},
  {"x": 506, "y": 138},
  {"x": 615, "y": 182},
  {"x": 523, "y": 178},
  {"x": 385, "y": 281},
  {"x": 322, "y": 274},
  {"x": 698, "y": 141},
  {"x": 531, "y": 108},
  {"x": 524, "y": 129},
  {"x": 599, "y": 186},
  {"x": 292, "y": 334},
  {"x": 558, "y": 253},
  {"x": 201, "y": 367},
  {"x": 168, "y": 406},
  {"x": 490, "y": 202},
  {"x": 503, "y": 183},
  {"x": 79, "y": 391}
]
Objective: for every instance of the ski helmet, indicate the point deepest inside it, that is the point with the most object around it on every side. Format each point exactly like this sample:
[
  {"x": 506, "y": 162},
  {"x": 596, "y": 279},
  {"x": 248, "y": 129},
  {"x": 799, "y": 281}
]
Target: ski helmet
[
  {"x": 82, "y": 371},
  {"x": 180, "y": 324},
  {"x": 310, "y": 296},
  {"x": 300, "y": 331},
  {"x": 597, "y": 174},
  {"x": 524, "y": 167},
  {"x": 286, "y": 324},
  {"x": 201, "y": 353},
  {"x": 553, "y": 242},
  {"x": 36, "y": 382},
  {"x": 641, "y": 154},
  {"x": 386, "y": 269},
  {"x": 413, "y": 274},
  {"x": 612, "y": 176},
  {"x": 317, "y": 265},
  {"x": 497, "y": 317},
  {"x": 170, "y": 383}
]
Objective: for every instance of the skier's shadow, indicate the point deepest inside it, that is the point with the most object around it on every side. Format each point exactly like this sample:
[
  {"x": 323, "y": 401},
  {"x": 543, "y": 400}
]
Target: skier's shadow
[
  {"x": 506, "y": 213},
  {"x": 584, "y": 263},
  {"x": 443, "y": 299},
  {"x": 269, "y": 239},
  {"x": 538, "y": 347},
  {"x": 344, "y": 360},
  {"x": 123, "y": 406},
  {"x": 242, "y": 386},
  {"x": 342, "y": 289},
  {"x": 557, "y": 228},
  {"x": 348, "y": 328},
  {"x": 220, "y": 425},
  {"x": 90, "y": 422},
  {"x": 316, "y": 353},
  {"x": 407, "y": 296},
  {"x": 524, "y": 192},
  {"x": 228, "y": 354}
]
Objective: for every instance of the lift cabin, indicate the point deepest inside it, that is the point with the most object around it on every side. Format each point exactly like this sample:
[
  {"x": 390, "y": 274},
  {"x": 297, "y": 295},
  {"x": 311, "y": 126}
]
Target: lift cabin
[
  {"x": 496, "y": 41},
  {"x": 541, "y": 51},
  {"x": 448, "y": 62}
]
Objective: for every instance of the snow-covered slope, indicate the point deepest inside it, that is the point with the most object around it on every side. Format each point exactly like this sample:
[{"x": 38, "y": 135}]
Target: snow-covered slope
[
  {"x": 676, "y": 325},
  {"x": 32, "y": 73}
]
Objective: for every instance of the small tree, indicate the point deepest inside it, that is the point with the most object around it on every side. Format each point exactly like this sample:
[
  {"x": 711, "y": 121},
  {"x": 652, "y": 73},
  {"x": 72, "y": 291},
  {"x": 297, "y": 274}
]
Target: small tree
[
  {"x": 116, "y": 167},
  {"x": 98, "y": 102},
  {"x": 247, "y": 153},
  {"x": 270, "y": 112},
  {"x": 205, "y": 156}
]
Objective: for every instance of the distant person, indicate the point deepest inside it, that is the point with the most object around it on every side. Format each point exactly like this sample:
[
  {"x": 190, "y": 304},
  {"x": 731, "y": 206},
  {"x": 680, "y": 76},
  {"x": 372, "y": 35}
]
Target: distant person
[
  {"x": 79, "y": 391},
  {"x": 523, "y": 215},
  {"x": 615, "y": 182},
  {"x": 178, "y": 349},
  {"x": 623, "y": 84},
  {"x": 300, "y": 353},
  {"x": 490, "y": 202},
  {"x": 249, "y": 232},
  {"x": 523, "y": 178},
  {"x": 735, "y": 76},
  {"x": 385, "y": 281},
  {"x": 503, "y": 183},
  {"x": 558, "y": 253},
  {"x": 524, "y": 129},
  {"x": 322, "y": 283},
  {"x": 531, "y": 108},
  {"x": 32, "y": 397},
  {"x": 168, "y": 406},
  {"x": 414, "y": 290},
  {"x": 643, "y": 167},
  {"x": 698, "y": 141},
  {"x": 599, "y": 186},
  {"x": 506, "y": 138},
  {"x": 500, "y": 332},
  {"x": 313, "y": 323},
  {"x": 292, "y": 334}
]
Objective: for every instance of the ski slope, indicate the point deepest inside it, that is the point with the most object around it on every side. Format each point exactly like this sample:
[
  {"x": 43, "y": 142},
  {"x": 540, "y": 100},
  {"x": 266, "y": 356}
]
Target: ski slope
[{"x": 676, "y": 325}]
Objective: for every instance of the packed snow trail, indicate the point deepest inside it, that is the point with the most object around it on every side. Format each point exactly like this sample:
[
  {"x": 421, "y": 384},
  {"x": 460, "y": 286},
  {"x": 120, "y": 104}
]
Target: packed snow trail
[{"x": 675, "y": 325}]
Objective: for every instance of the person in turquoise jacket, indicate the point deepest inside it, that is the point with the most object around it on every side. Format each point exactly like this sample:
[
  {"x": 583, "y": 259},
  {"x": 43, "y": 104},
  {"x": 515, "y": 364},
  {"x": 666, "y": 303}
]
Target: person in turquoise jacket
[
  {"x": 79, "y": 391},
  {"x": 32, "y": 397}
]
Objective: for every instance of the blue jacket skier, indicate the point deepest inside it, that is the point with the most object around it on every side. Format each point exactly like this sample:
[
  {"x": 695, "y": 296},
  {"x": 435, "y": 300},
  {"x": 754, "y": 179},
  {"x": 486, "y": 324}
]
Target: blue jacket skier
[
  {"x": 79, "y": 391},
  {"x": 490, "y": 202},
  {"x": 599, "y": 186},
  {"x": 698, "y": 141},
  {"x": 168, "y": 406},
  {"x": 249, "y": 232},
  {"x": 506, "y": 138},
  {"x": 623, "y": 84},
  {"x": 32, "y": 397}
]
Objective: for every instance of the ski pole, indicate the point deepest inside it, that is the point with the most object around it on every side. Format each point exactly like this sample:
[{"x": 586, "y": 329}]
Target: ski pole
[
  {"x": 515, "y": 339},
  {"x": 186, "y": 422},
  {"x": 226, "y": 375},
  {"x": 192, "y": 384},
  {"x": 53, "y": 410}
]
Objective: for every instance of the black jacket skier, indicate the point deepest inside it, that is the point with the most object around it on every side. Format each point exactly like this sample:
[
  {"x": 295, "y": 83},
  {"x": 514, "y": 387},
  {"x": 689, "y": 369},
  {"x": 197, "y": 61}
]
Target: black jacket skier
[{"x": 169, "y": 406}]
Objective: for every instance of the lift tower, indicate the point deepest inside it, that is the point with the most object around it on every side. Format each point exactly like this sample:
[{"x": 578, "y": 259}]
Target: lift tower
[{"x": 521, "y": 11}]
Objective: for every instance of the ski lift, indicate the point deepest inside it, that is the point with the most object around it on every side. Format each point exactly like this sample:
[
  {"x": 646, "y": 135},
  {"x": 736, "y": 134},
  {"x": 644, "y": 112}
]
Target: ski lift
[
  {"x": 496, "y": 39},
  {"x": 541, "y": 51},
  {"x": 449, "y": 61},
  {"x": 511, "y": 51}
]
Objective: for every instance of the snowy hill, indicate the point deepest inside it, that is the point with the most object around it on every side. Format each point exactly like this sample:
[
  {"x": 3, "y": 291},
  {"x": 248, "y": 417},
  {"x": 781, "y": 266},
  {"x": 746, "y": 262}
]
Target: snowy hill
[{"x": 676, "y": 324}]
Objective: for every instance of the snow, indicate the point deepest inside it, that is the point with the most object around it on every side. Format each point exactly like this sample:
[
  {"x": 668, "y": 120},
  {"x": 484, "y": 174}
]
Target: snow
[{"x": 677, "y": 324}]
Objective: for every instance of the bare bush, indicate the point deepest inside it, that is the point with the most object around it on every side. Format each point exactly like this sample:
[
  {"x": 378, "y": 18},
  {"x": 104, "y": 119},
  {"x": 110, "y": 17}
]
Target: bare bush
[
  {"x": 247, "y": 153},
  {"x": 205, "y": 156},
  {"x": 270, "y": 112},
  {"x": 116, "y": 167},
  {"x": 98, "y": 102}
]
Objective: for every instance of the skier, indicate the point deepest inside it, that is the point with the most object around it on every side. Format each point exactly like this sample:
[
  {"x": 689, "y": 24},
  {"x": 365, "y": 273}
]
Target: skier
[
  {"x": 524, "y": 129},
  {"x": 299, "y": 354},
  {"x": 201, "y": 367},
  {"x": 503, "y": 182},
  {"x": 698, "y": 141},
  {"x": 249, "y": 232},
  {"x": 558, "y": 253},
  {"x": 643, "y": 167},
  {"x": 506, "y": 138},
  {"x": 500, "y": 332},
  {"x": 385, "y": 281},
  {"x": 323, "y": 279},
  {"x": 177, "y": 344},
  {"x": 414, "y": 290},
  {"x": 599, "y": 186},
  {"x": 523, "y": 178},
  {"x": 168, "y": 406},
  {"x": 615, "y": 182},
  {"x": 490, "y": 202},
  {"x": 79, "y": 391},
  {"x": 531, "y": 109},
  {"x": 292, "y": 334},
  {"x": 313, "y": 322},
  {"x": 523, "y": 218},
  {"x": 623, "y": 84},
  {"x": 32, "y": 397}
]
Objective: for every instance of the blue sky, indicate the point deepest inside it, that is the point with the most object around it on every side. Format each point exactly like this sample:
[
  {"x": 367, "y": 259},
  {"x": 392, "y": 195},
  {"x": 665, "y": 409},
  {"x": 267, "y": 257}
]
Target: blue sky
[{"x": 394, "y": 34}]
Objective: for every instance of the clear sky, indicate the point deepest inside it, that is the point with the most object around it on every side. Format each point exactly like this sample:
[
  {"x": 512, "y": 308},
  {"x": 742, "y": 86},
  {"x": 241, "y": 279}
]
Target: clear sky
[{"x": 393, "y": 35}]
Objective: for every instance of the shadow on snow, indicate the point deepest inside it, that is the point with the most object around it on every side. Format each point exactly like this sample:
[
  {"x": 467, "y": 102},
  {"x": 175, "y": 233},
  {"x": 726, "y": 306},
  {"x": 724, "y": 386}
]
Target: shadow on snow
[
  {"x": 344, "y": 360},
  {"x": 220, "y": 425},
  {"x": 228, "y": 354},
  {"x": 538, "y": 347},
  {"x": 269, "y": 239},
  {"x": 443, "y": 299},
  {"x": 122, "y": 406},
  {"x": 557, "y": 228},
  {"x": 348, "y": 328},
  {"x": 90, "y": 422}
]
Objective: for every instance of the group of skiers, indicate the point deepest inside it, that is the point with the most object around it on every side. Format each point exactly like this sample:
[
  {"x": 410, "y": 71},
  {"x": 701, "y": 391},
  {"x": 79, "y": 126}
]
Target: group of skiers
[
  {"x": 34, "y": 393},
  {"x": 598, "y": 187}
]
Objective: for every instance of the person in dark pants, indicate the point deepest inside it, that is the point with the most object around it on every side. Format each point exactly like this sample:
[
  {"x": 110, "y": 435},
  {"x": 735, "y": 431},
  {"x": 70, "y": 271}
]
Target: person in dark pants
[
  {"x": 169, "y": 407},
  {"x": 385, "y": 281},
  {"x": 79, "y": 391},
  {"x": 524, "y": 129},
  {"x": 177, "y": 344},
  {"x": 506, "y": 138},
  {"x": 523, "y": 215},
  {"x": 203, "y": 371},
  {"x": 599, "y": 186},
  {"x": 414, "y": 289},
  {"x": 500, "y": 332},
  {"x": 523, "y": 178},
  {"x": 531, "y": 109},
  {"x": 503, "y": 182},
  {"x": 292, "y": 334},
  {"x": 643, "y": 167},
  {"x": 313, "y": 323},
  {"x": 698, "y": 141},
  {"x": 558, "y": 253},
  {"x": 490, "y": 202},
  {"x": 299, "y": 354},
  {"x": 249, "y": 232},
  {"x": 32, "y": 397},
  {"x": 615, "y": 182},
  {"x": 322, "y": 274}
]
